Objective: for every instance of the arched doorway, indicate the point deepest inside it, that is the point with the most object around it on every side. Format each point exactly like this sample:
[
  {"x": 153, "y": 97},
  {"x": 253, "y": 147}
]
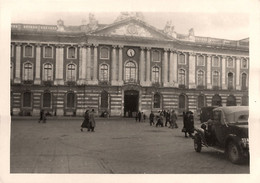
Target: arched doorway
[
  {"x": 183, "y": 103},
  {"x": 216, "y": 100},
  {"x": 131, "y": 99},
  {"x": 231, "y": 100}
]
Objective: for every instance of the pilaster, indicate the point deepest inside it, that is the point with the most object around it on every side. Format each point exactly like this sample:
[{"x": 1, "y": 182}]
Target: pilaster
[
  {"x": 59, "y": 80},
  {"x": 120, "y": 65},
  {"x": 165, "y": 68},
  {"x": 209, "y": 81},
  {"x": 192, "y": 70},
  {"x": 238, "y": 64},
  {"x": 141, "y": 66},
  {"x": 17, "y": 78},
  {"x": 171, "y": 69},
  {"x": 148, "y": 67},
  {"x": 224, "y": 61},
  {"x": 37, "y": 80},
  {"x": 114, "y": 69}
]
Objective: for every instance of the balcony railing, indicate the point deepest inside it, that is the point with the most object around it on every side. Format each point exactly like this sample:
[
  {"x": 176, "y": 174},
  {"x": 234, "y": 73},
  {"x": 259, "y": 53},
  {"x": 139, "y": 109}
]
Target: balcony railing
[
  {"x": 28, "y": 82},
  {"x": 71, "y": 83},
  {"x": 130, "y": 81},
  {"x": 104, "y": 83},
  {"x": 47, "y": 83}
]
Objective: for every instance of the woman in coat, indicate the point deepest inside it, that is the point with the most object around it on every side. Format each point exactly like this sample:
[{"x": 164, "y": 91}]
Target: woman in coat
[{"x": 85, "y": 123}]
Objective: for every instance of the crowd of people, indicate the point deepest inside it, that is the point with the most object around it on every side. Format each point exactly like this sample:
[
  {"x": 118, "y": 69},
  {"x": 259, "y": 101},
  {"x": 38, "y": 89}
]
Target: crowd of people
[
  {"x": 169, "y": 119},
  {"x": 160, "y": 119}
]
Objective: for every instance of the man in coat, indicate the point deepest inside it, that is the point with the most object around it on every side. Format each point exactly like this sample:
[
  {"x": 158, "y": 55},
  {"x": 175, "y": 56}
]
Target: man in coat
[{"x": 188, "y": 124}]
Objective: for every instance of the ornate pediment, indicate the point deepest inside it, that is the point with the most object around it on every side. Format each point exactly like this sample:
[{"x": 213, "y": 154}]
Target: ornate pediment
[{"x": 132, "y": 28}]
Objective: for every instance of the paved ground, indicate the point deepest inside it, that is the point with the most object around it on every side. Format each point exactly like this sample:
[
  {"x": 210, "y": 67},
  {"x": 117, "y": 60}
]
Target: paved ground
[{"x": 119, "y": 146}]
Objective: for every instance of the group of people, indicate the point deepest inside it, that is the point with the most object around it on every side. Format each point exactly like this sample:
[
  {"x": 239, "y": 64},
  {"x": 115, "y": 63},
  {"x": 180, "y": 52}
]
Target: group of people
[
  {"x": 140, "y": 116},
  {"x": 89, "y": 121},
  {"x": 170, "y": 117}
]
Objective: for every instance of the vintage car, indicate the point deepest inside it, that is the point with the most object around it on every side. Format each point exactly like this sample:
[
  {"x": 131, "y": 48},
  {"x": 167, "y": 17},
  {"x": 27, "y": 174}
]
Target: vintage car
[
  {"x": 206, "y": 113},
  {"x": 226, "y": 132}
]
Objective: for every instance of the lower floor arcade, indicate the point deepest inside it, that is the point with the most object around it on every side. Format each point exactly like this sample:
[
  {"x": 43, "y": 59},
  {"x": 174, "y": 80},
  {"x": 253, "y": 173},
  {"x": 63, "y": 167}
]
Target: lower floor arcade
[{"x": 117, "y": 101}]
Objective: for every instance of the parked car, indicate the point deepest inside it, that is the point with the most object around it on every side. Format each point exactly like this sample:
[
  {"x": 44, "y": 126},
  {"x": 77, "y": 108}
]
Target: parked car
[
  {"x": 226, "y": 132},
  {"x": 206, "y": 113}
]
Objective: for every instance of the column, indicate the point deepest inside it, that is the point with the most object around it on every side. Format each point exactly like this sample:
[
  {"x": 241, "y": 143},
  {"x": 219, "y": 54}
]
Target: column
[
  {"x": 148, "y": 66},
  {"x": 88, "y": 64},
  {"x": 192, "y": 70},
  {"x": 224, "y": 85},
  {"x": 171, "y": 69},
  {"x": 209, "y": 83},
  {"x": 84, "y": 62},
  {"x": 95, "y": 66},
  {"x": 141, "y": 67},
  {"x": 37, "y": 80},
  {"x": 175, "y": 69},
  {"x": 238, "y": 64},
  {"x": 17, "y": 78},
  {"x": 113, "y": 70},
  {"x": 165, "y": 68},
  {"x": 120, "y": 65},
  {"x": 59, "y": 65}
]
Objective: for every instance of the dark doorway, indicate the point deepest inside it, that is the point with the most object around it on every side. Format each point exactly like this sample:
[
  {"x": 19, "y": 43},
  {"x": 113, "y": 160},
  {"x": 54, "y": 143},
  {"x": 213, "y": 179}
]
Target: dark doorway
[{"x": 131, "y": 103}]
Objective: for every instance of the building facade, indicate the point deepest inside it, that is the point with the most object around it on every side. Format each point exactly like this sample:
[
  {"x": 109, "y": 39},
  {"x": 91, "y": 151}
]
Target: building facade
[{"x": 123, "y": 67}]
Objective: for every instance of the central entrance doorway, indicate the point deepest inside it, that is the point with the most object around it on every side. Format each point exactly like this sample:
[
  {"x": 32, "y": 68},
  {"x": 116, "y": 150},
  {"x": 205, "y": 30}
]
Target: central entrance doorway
[{"x": 131, "y": 103}]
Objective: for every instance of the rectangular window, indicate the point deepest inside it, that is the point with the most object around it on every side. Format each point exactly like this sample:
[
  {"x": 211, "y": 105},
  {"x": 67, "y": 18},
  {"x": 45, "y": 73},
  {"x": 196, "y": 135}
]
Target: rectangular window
[
  {"x": 104, "y": 53},
  {"x": 48, "y": 52},
  {"x": 200, "y": 61},
  {"x": 181, "y": 59},
  {"x": 71, "y": 52},
  {"x": 28, "y": 52},
  {"x": 156, "y": 56},
  {"x": 215, "y": 62}
]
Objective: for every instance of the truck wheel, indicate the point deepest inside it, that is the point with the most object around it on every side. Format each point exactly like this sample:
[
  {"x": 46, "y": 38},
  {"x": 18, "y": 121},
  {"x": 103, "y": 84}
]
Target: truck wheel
[
  {"x": 197, "y": 143},
  {"x": 234, "y": 153}
]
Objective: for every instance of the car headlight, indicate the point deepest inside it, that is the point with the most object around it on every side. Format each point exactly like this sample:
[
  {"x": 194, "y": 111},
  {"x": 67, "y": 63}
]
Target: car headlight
[{"x": 245, "y": 142}]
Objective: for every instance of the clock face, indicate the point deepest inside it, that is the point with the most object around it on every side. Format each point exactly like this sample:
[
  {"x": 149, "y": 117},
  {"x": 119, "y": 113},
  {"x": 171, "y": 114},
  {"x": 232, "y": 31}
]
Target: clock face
[{"x": 131, "y": 52}]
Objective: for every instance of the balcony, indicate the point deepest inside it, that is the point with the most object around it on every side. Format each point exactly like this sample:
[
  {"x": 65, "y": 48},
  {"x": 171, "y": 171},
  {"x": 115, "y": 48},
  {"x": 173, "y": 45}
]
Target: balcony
[
  {"x": 104, "y": 83},
  {"x": 47, "y": 83},
  {"x": 201, "y": 87},
  {"x": 28, "y": 82},
  {"x": 71, "y": 83},
  {"x": 131, "y": 81},
  {"x": 215, "y": 88},
  {"x": 182, "y": 86},
  {"x": 156, "y": 84}
]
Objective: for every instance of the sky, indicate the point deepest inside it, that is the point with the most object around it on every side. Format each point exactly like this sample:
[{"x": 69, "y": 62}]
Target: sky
[{"x": 218, "y": 19}]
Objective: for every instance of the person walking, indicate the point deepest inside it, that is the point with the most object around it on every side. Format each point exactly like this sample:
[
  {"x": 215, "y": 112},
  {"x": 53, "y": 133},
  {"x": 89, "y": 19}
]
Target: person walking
[
  {"x": 139, "y": 116},
  {"x": 92, "y": 122},
  {"x": 188, "y": 124},
  {"x": 173, "y": 119},
  {"x": 167, "y": 118},
  {"x": 160, "y": 120},
  {"x": 85, "y": 123},
  {"x": 151, "y": 118},
  {"x": 42, "y": 116}
]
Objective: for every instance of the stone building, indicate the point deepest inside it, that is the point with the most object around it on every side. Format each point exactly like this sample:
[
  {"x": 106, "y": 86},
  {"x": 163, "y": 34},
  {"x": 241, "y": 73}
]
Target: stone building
[{"x": 123, "y": 67}]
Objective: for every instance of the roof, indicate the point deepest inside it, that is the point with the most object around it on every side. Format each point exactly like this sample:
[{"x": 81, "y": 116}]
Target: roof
[{"x": 232, "y": 113}]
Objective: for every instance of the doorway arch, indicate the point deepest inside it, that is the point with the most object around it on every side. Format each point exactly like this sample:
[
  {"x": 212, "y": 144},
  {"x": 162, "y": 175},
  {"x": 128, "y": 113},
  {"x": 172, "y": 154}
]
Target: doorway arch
[{"x": 131, "y": 102}]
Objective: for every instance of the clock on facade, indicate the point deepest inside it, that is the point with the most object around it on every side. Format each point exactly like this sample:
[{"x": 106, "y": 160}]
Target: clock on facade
[{"x": 131, "y": 52}]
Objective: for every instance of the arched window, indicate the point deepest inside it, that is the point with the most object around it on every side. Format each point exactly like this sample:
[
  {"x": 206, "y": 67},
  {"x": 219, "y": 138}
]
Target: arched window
[
  {"x": 201, "y": 60},
  {"x": 103, "y": 72},
  {"x": 157, "y": 100},
  {"x": 47, "y": 52},
  {"x": 231, "y": 100},
  {"x": 245, "y": 100},
  {"x": 230, "y": 81},
  {"x": 27, "y": 99},
  {"x": 216, "y": 100},
  {"x": 70, "y": 100},
  {"x": 104, "y": 99},
  {"x": 244, "y": 81},
  {"x": 181, "y": 59},
  {"x": 201, "y": 101},
  {"x": 182, "y": 102},
  {"x": 28, "y": 51},
  {"x": 215, "y": 61},
  {"x": 130, "y": 72},
  {"x": 155, "y": 74},
  {"x": 182, "y": 77},
  {"x": 47, "y": 72},
  {"x": 230, "y": 62},
  {"x": 216, "y": 79},
  {"x": 104, "y": 53},
  {"x": 71, "y": 52},
  {"x": 28, "y": 72},
  {"x": 46, "y": 100},
  {"x": 71, "y": 72},
  {"x": 200, "y": 76}
]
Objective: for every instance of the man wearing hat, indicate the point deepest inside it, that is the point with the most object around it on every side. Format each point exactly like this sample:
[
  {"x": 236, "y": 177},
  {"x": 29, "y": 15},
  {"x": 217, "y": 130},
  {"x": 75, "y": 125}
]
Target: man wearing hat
[{"x": 188, "y": 124}]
